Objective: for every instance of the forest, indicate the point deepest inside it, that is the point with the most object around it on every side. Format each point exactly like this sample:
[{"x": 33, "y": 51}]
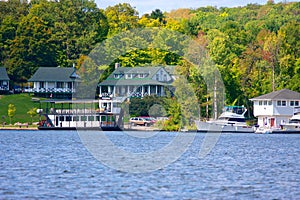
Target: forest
[{"x": 256, "y": 48}]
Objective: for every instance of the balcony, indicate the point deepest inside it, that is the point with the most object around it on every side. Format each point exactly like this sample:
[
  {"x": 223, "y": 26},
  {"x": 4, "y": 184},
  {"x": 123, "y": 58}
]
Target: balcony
[{"x": 50, "y": 90}]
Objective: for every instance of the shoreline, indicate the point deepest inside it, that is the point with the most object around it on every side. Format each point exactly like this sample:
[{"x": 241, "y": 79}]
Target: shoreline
[{"x": 7, "y": 128}]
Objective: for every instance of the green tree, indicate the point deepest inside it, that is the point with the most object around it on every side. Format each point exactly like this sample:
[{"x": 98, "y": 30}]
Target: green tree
[
  {"x": 32, "y": 112},
  {"x": 157, "y": 14},
  {"x": 11, "y": 111},
  {"x": 11, "y": 12}
]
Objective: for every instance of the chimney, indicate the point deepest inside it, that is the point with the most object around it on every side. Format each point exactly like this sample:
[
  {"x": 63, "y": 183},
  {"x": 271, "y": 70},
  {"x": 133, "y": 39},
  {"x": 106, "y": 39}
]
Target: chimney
[{"x": 117, "y": 65}]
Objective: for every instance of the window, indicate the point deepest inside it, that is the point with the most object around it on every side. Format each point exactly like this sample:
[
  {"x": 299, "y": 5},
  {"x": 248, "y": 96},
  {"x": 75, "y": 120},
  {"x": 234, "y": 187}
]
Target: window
[
  {"x": 157, "y": 77},
  {"x": 103, "y": 118},
  {"x": 59, "y": 85},
  {"x": 141, "y": 75},
  {"x": 97, "y": 118},
  {"x": 281, "y": 103},
  {"x": 116, "y": 76},
  {"x": 294, "y": 103},
  {"x": 269, "y": 103},
  {"x": 265, "y": 103},
  {"x": 68, "y": 118},
  {"x": 128, "y": 76},
  {"x": 70, "y": 85},
  {"x": 42, "y": 84},
  {"x": 90, "y": 118},
  {"x": 260, "y": 103}
]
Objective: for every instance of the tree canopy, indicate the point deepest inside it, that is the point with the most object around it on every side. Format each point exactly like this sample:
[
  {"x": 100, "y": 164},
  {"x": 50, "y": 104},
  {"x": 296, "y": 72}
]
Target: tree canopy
[{"x": 255, "y": 47}]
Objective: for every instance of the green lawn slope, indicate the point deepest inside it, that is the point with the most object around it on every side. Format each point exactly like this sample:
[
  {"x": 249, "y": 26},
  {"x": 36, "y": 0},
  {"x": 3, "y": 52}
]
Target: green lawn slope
[{"x": 23, "y": 103}]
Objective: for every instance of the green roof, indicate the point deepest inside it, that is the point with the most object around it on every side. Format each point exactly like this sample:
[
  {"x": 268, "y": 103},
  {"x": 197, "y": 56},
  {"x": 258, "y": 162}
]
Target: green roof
[
  {"x": 3, "y": 74},
  {"x": 149, "y": 73},
  {"x": 55, "y": 74}
]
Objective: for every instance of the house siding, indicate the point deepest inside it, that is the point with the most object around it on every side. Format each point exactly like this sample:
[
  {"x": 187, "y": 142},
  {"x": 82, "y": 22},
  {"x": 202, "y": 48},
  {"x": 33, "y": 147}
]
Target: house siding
[{"x": 274, "y": 114}]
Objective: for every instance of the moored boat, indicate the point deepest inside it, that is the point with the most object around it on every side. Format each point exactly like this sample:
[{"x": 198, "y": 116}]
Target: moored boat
[
  {"x": 231, "y": 120},
  {"x": 102, "y": 114}
]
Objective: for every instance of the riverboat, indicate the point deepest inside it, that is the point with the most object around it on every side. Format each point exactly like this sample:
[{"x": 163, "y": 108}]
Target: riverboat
[
  {"x": 102, "y": 114},
  {"x": 232, "y": 120}
]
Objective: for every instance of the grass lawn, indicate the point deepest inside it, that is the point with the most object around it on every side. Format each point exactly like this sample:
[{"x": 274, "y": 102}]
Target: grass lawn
[{"x": 23, "y": 103}]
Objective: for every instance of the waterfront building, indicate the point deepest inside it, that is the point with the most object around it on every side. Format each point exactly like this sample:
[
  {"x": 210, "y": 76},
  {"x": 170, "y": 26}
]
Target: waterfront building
[
  {"x": 54, "y": 82},
  {"x": 137, "y": 81},
  {"x": 275, "y": 108}
]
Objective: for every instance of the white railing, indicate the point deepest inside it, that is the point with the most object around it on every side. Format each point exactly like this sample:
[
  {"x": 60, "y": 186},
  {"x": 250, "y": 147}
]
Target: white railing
[{"x": 50, "y": 90}]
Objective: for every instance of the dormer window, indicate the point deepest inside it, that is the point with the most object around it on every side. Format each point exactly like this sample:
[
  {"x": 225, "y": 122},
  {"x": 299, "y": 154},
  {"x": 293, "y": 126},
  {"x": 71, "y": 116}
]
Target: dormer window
[
  {"x": 128, "y": 76},
  {"x": 116, "y": 76}
]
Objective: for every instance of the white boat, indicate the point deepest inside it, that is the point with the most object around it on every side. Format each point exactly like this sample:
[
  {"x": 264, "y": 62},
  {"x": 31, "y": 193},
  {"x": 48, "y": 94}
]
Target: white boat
[
  {"x": 293, "y": 126},
  {"x": 99, "y": 114},
  {"x": 231, "y": 120}
]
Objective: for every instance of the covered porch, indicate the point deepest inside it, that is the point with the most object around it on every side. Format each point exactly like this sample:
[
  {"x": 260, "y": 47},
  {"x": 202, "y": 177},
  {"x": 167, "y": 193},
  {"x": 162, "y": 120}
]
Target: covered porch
[{"x": 133, "y": 91}]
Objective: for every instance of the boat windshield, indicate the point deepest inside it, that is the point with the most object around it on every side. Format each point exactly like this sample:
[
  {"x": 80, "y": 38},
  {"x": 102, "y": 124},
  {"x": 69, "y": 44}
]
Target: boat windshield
[
  {"x": 295, "y": 121},
  {"x": 235, "y": 109}
]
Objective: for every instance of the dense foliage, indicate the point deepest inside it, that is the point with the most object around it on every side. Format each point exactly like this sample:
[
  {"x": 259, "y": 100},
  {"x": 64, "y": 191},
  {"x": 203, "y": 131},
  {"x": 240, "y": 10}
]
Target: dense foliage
[{"x": 256, "y": 47}]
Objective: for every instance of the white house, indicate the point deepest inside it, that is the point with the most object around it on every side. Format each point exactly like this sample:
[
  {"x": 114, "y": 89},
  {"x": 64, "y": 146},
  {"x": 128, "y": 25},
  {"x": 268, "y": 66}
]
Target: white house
[
  {"x": 137, "y": 82},
  {"x": 276, "y": 107},
  {"x": 58, "y": 82}
]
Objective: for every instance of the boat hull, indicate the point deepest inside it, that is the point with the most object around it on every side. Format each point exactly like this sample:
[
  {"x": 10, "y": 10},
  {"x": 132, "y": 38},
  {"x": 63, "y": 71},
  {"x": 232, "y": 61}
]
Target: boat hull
[
  {"x": 224, "y": 128},
  {"x": 283, "y": 130},
  {"x": 78, "y": 128}
]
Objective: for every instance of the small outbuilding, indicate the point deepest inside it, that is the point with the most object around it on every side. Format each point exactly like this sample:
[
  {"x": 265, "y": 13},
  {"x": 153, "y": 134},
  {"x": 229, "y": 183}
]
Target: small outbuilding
[{"x": 275, "y": 108}]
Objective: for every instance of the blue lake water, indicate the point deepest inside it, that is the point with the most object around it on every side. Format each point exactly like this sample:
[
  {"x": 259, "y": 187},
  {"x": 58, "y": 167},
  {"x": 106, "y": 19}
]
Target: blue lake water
[{"x": 56, "y": 164}]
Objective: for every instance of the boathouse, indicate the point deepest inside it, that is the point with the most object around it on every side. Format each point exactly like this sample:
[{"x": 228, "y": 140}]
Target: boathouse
[
  {"x": 54, "y": 82},
  {"x": 275, "y": 108},
  {"x": 137, "y": 81},
  {"x": 4, "y": 81}
]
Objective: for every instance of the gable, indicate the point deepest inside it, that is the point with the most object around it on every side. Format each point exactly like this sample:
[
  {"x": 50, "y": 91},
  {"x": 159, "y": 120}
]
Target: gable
[
  {"x": 162, "y": 76},
  {"x": 3, "y": 74}
]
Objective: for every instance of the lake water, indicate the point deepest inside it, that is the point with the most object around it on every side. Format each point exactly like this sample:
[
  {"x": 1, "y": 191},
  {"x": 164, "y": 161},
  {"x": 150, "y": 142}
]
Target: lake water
[{"x": 56, "y": 164}]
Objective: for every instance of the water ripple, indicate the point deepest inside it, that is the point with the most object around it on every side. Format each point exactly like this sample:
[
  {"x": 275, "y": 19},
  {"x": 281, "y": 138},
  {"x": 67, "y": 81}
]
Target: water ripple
[{"x": 55, "y": 165}]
